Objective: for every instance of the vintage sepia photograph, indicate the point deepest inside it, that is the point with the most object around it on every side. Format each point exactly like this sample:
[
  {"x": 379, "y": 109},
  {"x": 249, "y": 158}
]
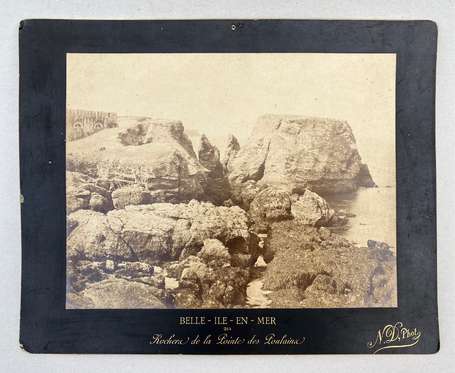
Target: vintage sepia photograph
[{"x": 230, "y": 180}]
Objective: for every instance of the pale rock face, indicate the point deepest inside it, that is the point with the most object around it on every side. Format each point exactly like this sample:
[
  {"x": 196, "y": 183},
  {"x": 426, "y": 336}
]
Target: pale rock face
[
  {"x": 116, "y": 293},
  {"x": 311, "y": 209},
  {"x": 155, "y": 232},
  {"x": 154, "y": 154},
  {"x": 95, "y": 236},
  {"x": 231, "y": 151},
  {"x": 214, "y": 250},
  {"x": 156, "y": 130},
  {"x": 274, "y": 204},
  {"x": 295, "y": 153}
]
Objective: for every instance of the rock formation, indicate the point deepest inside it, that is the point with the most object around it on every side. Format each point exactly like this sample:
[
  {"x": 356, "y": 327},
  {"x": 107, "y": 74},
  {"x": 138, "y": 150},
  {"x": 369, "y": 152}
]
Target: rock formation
[
  {"x": 152, "y": 224},
  {"x": 271, "y": 204},
  {"x": 125, "y": 243},
  {"x": 115, "y": 293},
  {"x": 311, "y": 209},
  {"x": 297, "y": 152},
  {"x": 274, "y": 204},
  {"x": 210, "y": 279},
  {"x": 217, "y": 188},
  {"x": 314, "y": 268},
  {"x": 82, "y": 192},
  {"x": 231, "y": 151},
  {"x": 155, "y": 232},
  {"x": 155, "y": 155},
  {"x": 131, "y": 195}
]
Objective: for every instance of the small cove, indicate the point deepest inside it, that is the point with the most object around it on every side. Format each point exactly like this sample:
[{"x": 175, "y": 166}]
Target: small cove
[{"x": 368, "y": 221}]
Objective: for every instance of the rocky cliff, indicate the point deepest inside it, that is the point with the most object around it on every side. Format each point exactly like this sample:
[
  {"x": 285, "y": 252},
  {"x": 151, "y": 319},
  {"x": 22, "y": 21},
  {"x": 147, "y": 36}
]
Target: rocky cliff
[
  {"x": 154, "y": 155},
  {"x": 205, "y": 249},
  {"x": 297, "y": 152},
  {"x": 153, "y": 224}
]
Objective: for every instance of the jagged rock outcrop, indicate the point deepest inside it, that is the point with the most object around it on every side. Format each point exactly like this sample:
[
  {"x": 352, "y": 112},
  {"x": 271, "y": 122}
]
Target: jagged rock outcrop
[
  {"x": 295, "y": 153},
  {"x": 364, "y": 177},
  {"x": 148, "y": 131},
  {"x": 313, "y": 268},
  {"x": 153, "y": 154},
  {"x": 232, "y": 148},
  {"x": 154, "y": 233},
  {"x": 217, "y": 188},
  {"x": 83, "y": 193},
  {"x": 210, "y": 279}
]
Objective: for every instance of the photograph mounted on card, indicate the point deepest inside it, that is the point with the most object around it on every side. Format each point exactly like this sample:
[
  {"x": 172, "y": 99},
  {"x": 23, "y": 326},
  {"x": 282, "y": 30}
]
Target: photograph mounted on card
[{"x": 228, "y": 187}]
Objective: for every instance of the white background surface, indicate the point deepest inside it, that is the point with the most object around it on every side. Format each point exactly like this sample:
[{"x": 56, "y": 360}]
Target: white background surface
[{"x": 11, "y": 11}]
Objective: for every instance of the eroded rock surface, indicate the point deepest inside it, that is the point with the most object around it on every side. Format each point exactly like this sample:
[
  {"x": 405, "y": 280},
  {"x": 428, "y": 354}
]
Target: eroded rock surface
[
  {"x": 153, "y": 154},
  {"x": 209, "y": 244},
  {"x": 210, "y": 279},
  {"x": 116, "y": 293},
  {"x": 311, "y": 209},
  {"x": 295, "y": 153},
  {"x": 139, "y": 234},
  {"x": 274, "y": 204},
  {"x": 232, "y": 148},
  {"x": 82, "y": 192},
  {"x": 271, "y": 204},
  {"x": 155, "y": 232},
  {"x": 130, "y": 195}
]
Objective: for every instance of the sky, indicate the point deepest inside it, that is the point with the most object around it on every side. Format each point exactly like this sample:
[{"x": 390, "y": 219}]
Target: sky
[{"x": 219, "y": 94}]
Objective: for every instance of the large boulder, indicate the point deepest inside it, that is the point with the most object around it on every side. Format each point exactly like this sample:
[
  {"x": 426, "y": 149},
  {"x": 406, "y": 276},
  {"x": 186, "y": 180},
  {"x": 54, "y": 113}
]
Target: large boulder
[
  {"x": 217, "y": 187},
  {"x": 154, "y": 154},
  {"x": 317, "y": 269},
  {"x": 82, "y": 192},
  {"x": 130, "y": 195},
  {"x": 210, "y": 279},
  {"x": 214, "y": 252},
  {"x": 156, "y": 232},
  {"x": 271, "y": 204},
  {"x": 311, "y": 209},
  {"x": 115, "y": 293},
  {"x": 296, "y": 153}
]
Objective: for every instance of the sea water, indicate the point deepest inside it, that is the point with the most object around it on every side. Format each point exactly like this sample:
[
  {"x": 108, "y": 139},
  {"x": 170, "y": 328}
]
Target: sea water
[{"x": 373, "y": 215}]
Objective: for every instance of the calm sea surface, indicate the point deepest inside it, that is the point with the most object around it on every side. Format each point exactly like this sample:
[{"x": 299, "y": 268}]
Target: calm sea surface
[{"x": 375, "y": 217}]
